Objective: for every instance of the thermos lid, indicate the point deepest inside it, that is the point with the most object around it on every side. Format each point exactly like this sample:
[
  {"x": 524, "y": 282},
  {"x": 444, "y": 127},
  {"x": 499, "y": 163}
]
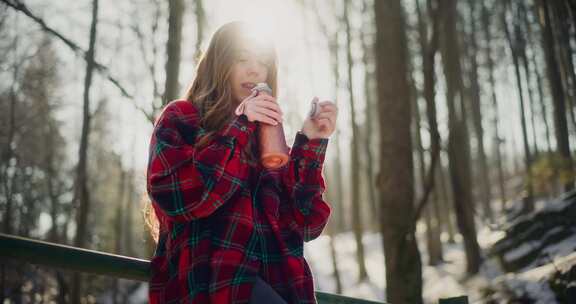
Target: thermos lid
[{"x": 263, "y": 87}]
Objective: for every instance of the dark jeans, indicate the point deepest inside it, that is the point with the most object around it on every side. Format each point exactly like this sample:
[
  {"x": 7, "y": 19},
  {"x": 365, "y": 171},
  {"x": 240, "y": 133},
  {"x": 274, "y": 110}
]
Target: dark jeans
[{"x": 262, "y": 293}]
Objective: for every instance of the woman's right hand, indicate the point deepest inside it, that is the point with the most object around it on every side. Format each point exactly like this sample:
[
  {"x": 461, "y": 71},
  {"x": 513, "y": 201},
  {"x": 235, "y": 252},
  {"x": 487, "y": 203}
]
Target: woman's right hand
[{"x": 262, "y": 107}]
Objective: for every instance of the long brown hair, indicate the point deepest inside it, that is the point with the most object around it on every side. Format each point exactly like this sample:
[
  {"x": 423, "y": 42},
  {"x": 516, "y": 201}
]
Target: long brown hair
[{"x": 211, "y": 91}]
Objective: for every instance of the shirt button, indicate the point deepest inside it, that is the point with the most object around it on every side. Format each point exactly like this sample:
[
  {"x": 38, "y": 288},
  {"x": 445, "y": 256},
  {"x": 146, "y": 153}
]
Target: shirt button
[
  {"x": 253, "y": 258},
  {"x": 305, "y": 147},
  {"x": 243, "y": 128}
]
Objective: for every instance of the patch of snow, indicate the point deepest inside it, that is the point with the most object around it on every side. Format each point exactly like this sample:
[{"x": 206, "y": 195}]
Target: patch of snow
[{"x": 537, "y": 290}]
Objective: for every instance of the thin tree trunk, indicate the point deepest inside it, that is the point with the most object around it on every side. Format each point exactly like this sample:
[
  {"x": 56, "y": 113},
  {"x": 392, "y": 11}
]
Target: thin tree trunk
[
  {"x": 82, "y": 194},
  {"x": 559, "y": 103},
  {"x": 476, "y": 107},
  {"x": 335, "y": 273},
  {"x": 495, "y": 123},
  {"x": 458, "y": 142},
  {"x": 176, "y": 12},
  {"x": 340, "y": 219},
  {"x": 428, "y": 50},
  {"x": 528, "y": 199},
  {"x": 118, "y": 227},
  {"x": 355, "y": 161},
  {"x": 130, "y": 201},
  {"x": 534, "y": 62},
  {"x": 521, "y": 45},
  {"x": 333, "y": 47},
  {"x": 367, "y": 58},
  {"x": 331, "y": 234},
  {"x": 447, "y": 215},
  {"x": 200, "y": 24},
  {"x": 8, "y": 153},
  {"x": 561, "y": 25},
  {"x": 396, "y": 176},
  {"x": 433, "y": 243}
]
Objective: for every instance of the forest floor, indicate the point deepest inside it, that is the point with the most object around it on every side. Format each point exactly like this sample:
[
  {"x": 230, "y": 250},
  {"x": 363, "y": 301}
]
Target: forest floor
[{"x": 491, "y": 284}]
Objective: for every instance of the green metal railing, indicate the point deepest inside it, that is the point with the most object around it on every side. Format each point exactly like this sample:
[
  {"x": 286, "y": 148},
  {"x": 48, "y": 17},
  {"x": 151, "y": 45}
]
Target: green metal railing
[{"x": 118, "y": 266}]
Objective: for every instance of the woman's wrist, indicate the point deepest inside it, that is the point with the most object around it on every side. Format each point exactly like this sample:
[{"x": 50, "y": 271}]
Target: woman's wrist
[{"x": 310, "y": 136}]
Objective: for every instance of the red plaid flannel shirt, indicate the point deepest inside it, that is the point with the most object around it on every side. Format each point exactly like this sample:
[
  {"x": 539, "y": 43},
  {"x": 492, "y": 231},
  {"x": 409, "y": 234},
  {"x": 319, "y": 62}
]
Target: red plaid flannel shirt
[{"x": 223, "y": 222}]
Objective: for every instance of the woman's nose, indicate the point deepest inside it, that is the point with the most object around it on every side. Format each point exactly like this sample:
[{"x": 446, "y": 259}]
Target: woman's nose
[{"x": 253, "y": 69}]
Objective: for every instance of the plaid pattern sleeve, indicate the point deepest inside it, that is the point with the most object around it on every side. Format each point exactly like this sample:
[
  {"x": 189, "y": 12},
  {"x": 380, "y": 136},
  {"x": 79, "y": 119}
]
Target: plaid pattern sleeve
[
  {"x": 303, "y": 181},
  {"x": 186, "y": 182}
]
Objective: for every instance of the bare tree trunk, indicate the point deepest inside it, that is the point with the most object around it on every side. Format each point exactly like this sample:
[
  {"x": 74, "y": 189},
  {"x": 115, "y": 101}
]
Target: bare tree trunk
[
  {"x": 561, "y": 25},
  {"x": 476, "y": 107},
  {"x": 447, "y": 215},
  {"x": 458, "y": 142},
  {"x": 559, "y": 103},
  {"x": 521, "y": 48},
  {"x": 130, "y": 201},
  {"x": 541, "y": 100},
  {"x": 341, "y": 218},
  {"x": 396, "y": 176},
  {"x": 428, "y": 50},
  {"x": 513, "y": 42},
  {"x": 55, "y": 210},
  {"x": 495, "y": 123},
  {"x": 200, "y": 24},
  {"x": 176, "y": 12},
  {"x": 82, "y": 194},
  {"x": 521, "y": 45},
  {"x": 355, "y": 161},
  {"x": 367, "y": 59},
  {"x": 433, "y": 242},
  {"x": 7, "y": 154},
  {"x": 338, "y": 160},
  {"x": 119, "y": 228},
  {"x": 333, "y": 47},
  {"x": 331, "y": 233}
]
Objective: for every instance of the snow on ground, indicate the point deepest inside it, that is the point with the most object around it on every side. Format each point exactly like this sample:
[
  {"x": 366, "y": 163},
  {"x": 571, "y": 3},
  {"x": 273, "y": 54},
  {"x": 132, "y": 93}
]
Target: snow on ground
[
  {"x": 317, "y": 253},
  {"x": 447, "y": 279},
  {"x": 442, "y": 281}
]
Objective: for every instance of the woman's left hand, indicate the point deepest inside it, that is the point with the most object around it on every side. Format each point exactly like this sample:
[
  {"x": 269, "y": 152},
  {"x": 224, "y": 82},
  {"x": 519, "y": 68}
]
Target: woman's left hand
[{"x": 323, "y": 124}]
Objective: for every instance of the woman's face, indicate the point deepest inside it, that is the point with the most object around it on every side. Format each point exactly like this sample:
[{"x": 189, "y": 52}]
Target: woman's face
[{"x": 248, "y": 69}]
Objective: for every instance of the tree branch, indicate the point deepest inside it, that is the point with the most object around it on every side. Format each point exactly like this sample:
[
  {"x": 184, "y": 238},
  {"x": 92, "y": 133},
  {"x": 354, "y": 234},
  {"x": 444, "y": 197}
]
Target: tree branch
[{"x": 103, "y": 70}]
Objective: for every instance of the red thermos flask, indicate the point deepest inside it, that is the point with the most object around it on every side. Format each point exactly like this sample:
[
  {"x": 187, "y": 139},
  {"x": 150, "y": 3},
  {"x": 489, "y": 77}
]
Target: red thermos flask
[{"x": 273, "y": 148}]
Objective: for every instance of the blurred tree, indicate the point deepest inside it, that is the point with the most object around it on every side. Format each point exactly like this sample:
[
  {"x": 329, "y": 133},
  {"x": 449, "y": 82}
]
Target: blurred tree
[
  {"x": 81, "y": 198},
  {"x": 458, "y": 141},
  {"x": 558, "y": 96},
  {"x": 488, "y": 54},
  {"x": 34, "y": 164},
  {"x": 428, "y": 44},
  {"x": 173, "y": 45},
  {"x": 200, "y": 27},
  {"x": 330, "y": 231},
  {"x": 396, "y": 176},
  {"x": 369, "y": 132},
  {"x": 475, "y": 102},
  {"x": 515, "y": 43},
  {"x": 333, "y": 46},
  {"x": 355, "y": 155}
]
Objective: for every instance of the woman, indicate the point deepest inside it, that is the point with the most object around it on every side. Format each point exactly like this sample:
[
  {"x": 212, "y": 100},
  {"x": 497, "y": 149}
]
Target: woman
[{"x": 231, "y": 231}]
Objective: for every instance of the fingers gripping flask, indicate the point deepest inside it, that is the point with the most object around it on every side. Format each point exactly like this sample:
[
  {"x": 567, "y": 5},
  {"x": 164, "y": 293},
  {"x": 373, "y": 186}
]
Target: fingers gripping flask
[{"x": 273, "y": 148}]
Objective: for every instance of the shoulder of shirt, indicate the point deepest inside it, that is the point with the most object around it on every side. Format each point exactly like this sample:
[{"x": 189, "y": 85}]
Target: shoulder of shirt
[{"x": 181, "y": 109}]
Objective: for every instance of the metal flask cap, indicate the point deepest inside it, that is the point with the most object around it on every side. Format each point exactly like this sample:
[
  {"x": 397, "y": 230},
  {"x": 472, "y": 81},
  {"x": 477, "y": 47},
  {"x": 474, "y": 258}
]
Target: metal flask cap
[{"x": 263, "y": 87}]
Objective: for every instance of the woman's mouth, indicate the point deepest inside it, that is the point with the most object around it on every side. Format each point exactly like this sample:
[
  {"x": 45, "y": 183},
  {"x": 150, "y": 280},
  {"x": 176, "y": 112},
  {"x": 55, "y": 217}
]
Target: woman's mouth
[{"x": 248, "y": 85}]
